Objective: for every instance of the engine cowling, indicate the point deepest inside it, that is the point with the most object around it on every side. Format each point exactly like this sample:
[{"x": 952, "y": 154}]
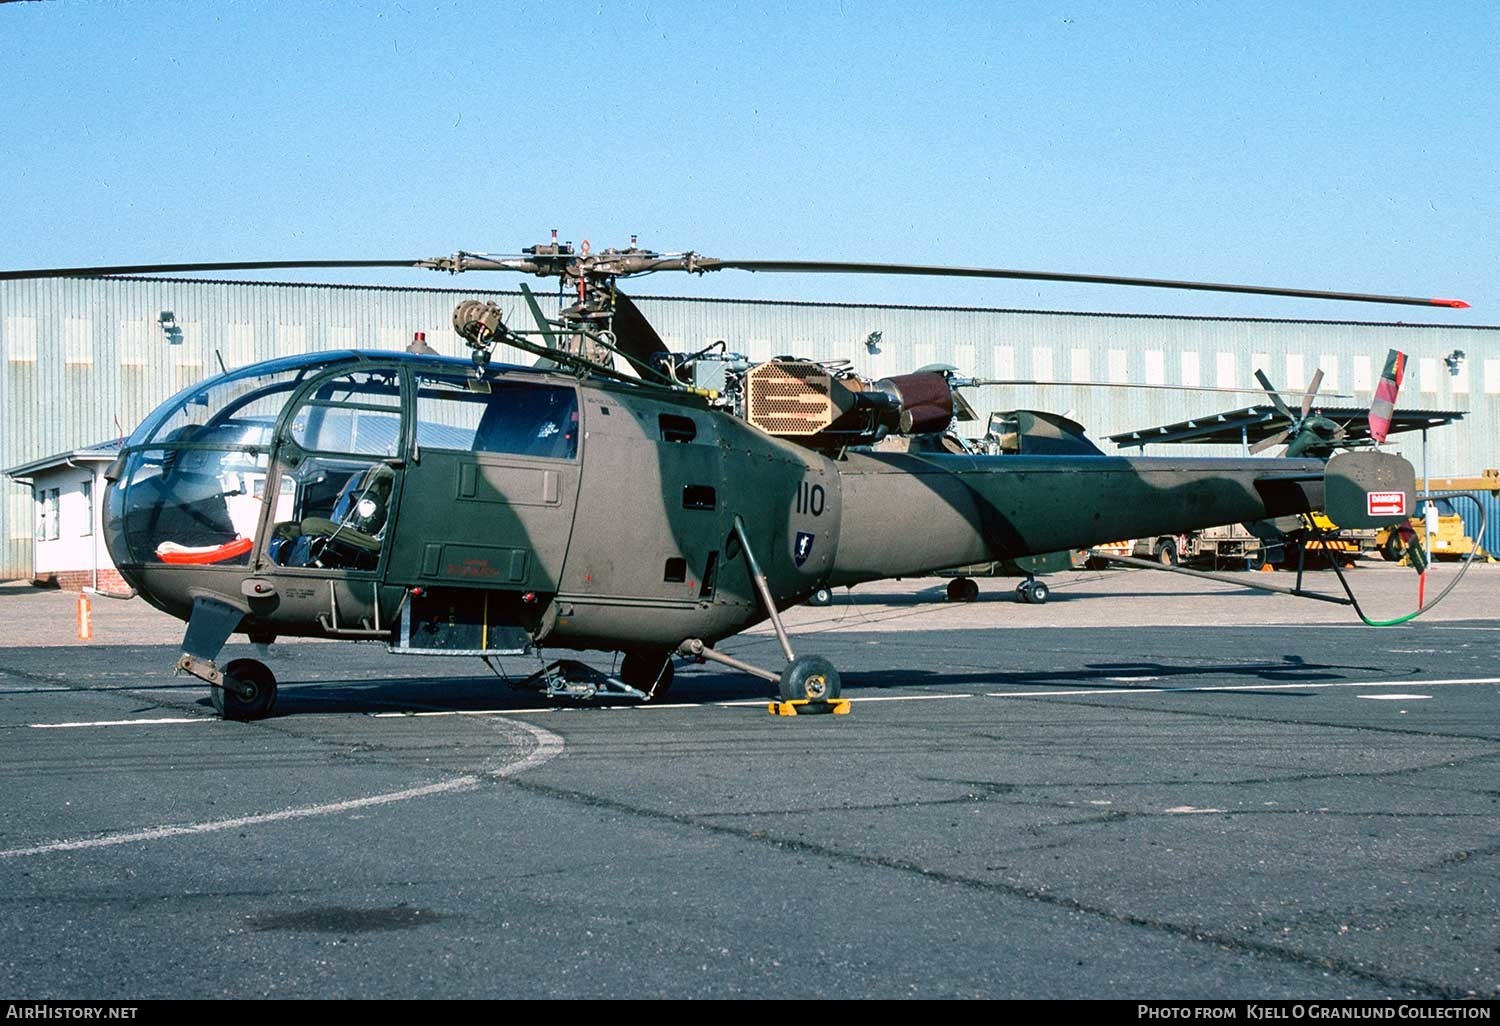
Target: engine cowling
[{"x": 808, "y": 403}]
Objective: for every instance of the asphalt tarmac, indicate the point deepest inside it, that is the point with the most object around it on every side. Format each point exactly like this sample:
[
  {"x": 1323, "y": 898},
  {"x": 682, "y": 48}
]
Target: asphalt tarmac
[{"x": 1146, "y": 788}]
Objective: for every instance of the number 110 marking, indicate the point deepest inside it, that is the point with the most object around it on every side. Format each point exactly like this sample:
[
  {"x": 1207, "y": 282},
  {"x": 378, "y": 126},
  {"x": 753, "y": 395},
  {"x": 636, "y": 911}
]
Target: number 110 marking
[{"x": 811, "y": 498}]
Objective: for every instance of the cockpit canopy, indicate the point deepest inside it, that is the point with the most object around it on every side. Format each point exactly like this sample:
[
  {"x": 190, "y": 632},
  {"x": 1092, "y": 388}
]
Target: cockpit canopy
[{"x": 197, "y": 483}]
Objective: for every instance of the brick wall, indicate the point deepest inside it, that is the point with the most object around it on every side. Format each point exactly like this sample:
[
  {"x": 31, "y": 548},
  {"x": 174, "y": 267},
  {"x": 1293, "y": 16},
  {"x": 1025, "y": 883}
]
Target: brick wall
[{"x": 77, "y": 580}]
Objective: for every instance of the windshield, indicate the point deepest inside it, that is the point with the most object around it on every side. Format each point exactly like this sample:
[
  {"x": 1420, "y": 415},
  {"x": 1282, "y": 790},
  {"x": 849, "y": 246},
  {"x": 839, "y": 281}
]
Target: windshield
[{"x": 254, "y": 394}]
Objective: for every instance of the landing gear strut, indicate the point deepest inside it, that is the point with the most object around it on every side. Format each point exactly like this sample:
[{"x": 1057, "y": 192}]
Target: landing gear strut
[
  {"x": 243, "y": 690},
  {"x": 809, "y": 683}
]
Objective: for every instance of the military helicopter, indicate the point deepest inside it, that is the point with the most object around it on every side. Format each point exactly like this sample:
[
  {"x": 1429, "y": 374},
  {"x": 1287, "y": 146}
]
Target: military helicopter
[{"x": 449, "y": 506}]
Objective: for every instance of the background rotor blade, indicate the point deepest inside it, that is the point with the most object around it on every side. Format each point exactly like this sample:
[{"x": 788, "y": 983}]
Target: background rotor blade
[
  {"x": 978, "y": 382},
  {"x": 842, "y": 267},
  {"x": 1283, "y": 408},
  {"x": 1311, "y": 393},
  {"x": 241, "y": 265},
  {"x": 1266, "y": 443}
]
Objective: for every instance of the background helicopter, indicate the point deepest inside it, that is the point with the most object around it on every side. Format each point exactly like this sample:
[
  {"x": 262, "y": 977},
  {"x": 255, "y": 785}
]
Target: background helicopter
[{"x": 616, "y": 496}]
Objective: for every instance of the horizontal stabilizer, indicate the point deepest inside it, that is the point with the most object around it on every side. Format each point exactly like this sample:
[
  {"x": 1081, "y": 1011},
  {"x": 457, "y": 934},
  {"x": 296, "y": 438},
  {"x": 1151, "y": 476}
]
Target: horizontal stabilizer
[{"x": 1369, "y": 488}]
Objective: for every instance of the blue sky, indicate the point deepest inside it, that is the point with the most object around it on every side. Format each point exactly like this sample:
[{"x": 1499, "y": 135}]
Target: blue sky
[{"x": 1320, "y": 145}]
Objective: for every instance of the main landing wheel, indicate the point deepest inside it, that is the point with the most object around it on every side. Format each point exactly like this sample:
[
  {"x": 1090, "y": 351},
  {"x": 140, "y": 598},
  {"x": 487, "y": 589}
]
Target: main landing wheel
[
  {"x": 809, "y": 677},
  {"x": 232, "y": 705},
  {"x": 1032, "y": 592},
  {"x": 962, "y": 589},
  {"x": 648, "y": 670}
]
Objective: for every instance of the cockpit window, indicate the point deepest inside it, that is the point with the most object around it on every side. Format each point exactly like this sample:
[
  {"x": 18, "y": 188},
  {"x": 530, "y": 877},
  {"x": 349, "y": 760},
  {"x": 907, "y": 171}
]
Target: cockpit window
[
  {"x": 523, "y": 418},
  {"x": 356, "y": 413}
]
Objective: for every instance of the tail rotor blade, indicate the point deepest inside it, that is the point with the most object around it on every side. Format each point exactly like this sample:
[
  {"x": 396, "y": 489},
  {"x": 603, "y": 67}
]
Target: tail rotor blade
[{"x": 1383, "y": 406}]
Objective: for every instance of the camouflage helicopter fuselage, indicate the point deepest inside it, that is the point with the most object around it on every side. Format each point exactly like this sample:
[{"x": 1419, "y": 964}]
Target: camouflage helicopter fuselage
[{"x": 612, "y": 528}]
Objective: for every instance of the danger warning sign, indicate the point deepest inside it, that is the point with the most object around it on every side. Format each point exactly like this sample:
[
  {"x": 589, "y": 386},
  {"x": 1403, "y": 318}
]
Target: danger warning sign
[{"x": 1386, "y": 504}]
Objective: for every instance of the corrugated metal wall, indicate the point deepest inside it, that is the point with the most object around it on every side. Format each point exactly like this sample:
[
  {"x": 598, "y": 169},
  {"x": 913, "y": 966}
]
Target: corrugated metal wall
[
  {"x": 1490, "y": 542},
  {"x": 77, "y": 356}
]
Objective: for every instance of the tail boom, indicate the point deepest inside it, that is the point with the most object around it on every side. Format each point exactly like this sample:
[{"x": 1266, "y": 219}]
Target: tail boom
[{"x": 906, "y": 514}]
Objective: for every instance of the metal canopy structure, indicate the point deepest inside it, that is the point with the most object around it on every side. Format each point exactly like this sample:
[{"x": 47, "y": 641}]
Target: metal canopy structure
[{"x": 1253, "y": 423}]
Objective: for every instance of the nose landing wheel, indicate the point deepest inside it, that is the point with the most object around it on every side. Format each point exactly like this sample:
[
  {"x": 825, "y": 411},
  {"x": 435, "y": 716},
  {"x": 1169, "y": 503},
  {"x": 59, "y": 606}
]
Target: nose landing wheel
[{"x": 249, "y": 691}]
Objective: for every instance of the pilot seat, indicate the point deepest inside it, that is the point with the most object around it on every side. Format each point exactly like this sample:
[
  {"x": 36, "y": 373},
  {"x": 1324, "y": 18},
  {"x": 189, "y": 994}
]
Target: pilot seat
[{"x": 351, "y": 536}]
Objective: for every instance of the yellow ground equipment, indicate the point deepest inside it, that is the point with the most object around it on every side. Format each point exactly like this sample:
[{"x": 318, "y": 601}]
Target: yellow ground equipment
[{"x": 1449, "y": 540}]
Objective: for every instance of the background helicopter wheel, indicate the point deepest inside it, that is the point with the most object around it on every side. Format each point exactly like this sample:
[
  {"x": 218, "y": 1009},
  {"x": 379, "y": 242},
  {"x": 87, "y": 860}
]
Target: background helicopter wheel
[
  {"x": 231, "y": 706},
  {"x": 1038, "y": 592},
  {"x": 963, "y": 589},
  {"x": 649, "y": 670},
  {"x": 821, "y": 597},
  {"x": 809, "y": 677}
]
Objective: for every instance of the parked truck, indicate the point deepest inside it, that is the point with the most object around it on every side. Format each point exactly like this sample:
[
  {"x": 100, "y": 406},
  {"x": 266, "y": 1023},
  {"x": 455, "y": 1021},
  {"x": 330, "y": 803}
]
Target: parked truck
[{"x": 1230, "y": 547}]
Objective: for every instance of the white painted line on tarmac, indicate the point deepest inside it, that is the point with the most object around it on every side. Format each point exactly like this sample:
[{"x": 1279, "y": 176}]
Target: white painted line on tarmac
[
  {"x": 752, "y": 703},
  {"x": 463, "y": 783},
  {"x": 122, "y": 723},
  {"x": 909, "y": 698},
  {"x": 1080, "y": 691},
  {"x": 760, "y": 702},
  {"x": 548, "y": 746},
  {"x": 453, "y": 712},
  {"x": 1393, "y": 698},
  {"x": 756, "y": 703},
  {"x": 1249, "y": 687}
]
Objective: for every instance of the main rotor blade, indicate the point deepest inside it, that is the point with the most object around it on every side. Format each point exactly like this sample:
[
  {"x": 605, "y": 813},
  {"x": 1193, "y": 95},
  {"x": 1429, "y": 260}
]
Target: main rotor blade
[
  {"x": 840, "y": 267},
  {"x": 610, "y": 264},
  {"x": 241, "y": 265},
  {"x": 1311, "y": 393}
]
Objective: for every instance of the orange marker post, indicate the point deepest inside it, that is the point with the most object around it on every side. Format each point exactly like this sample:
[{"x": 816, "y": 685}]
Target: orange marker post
[{"x": 85, "y": 618}]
